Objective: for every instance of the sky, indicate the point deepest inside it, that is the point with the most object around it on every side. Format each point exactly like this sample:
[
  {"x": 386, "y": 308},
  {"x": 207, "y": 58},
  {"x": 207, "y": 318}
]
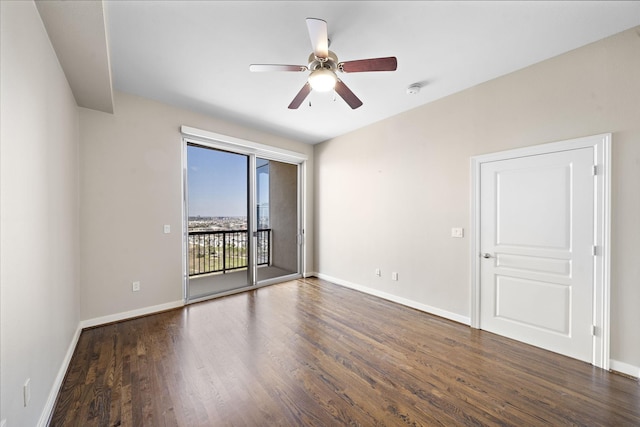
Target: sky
[{"x": 217, "y": 182}]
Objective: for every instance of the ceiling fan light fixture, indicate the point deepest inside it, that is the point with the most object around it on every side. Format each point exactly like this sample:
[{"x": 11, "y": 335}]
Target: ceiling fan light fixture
[
  {"x": 323, "y": 65},
  {"x": 323, "y": 80}
]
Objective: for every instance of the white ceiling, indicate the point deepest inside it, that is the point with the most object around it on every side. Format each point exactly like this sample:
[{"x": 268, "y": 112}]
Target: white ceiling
[{"x": 196, "y": 54}]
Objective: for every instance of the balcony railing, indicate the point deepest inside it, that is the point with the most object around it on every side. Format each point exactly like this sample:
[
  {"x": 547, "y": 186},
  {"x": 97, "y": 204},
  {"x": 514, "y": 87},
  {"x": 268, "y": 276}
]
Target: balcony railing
[{"x": 222, "y": 251}]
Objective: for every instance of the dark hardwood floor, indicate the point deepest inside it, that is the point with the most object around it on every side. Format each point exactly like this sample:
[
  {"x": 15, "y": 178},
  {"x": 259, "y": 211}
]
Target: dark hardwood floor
[{"x": 308, "y": 352}]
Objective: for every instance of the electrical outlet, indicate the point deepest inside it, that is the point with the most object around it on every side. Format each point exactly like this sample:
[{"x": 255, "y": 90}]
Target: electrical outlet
[
  {"x": 167, "y": 229},
  {"x": 378, "y": 273},
  {"x": 135, "y": 286},
  {"x": 26, "y": 391},
  {"x": 394, "y": 276}
]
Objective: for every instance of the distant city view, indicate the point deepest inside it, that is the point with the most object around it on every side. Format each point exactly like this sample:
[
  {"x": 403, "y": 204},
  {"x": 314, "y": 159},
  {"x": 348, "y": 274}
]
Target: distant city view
[
  {"x": 220, "y": 223},
  {"x": 217, "y": 223}
]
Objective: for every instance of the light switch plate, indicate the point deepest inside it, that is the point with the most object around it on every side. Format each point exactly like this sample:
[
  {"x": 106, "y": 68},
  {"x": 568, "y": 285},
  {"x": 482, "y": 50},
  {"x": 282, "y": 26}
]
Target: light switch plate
[
  {"x": 457, "y": 232},
  {"x": 167, "y": 229}
]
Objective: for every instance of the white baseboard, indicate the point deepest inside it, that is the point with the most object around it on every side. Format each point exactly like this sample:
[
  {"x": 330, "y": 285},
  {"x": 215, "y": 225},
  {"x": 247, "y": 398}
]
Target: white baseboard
[
  {"x": 400, "y": 300},
  {"x": 97, "y": 321},
  {"x": 47, "y": 411},
  {"x": 624, "y": 368}
]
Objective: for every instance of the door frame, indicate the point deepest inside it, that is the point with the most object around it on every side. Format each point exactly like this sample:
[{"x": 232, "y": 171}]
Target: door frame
[
  {"x": 601, "y": 145},
  {"x": 252, "y": 150}
]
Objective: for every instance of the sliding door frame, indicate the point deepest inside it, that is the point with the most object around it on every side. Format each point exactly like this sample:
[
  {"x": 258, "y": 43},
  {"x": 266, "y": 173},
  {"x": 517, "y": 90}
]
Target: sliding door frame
[{"x": 252, "y": 150}]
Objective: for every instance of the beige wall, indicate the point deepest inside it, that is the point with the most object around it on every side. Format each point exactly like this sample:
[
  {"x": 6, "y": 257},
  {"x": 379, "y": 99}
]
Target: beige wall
[
  {"x": 39, "y": 211},
  {"x": 130, "y": 187},
  {"x": 388, "y": 195}
]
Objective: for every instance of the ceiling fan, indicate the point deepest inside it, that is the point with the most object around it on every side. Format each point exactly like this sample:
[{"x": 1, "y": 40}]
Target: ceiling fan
[{"x": 323, "y": 65}]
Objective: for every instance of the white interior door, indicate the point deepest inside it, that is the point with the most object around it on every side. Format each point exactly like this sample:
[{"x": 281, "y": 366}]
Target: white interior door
[{"x": 537, "y": 250}]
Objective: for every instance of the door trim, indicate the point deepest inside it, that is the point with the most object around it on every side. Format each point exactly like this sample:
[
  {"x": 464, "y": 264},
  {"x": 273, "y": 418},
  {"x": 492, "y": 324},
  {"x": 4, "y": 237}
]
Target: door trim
[
  {"x": 242, "y": 146},
  {"x": 601, "y": 145}
]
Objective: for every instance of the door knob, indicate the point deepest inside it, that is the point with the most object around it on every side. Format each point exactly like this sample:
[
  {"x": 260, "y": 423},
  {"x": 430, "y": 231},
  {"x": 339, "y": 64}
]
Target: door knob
[{"x": 486, "y": 255}]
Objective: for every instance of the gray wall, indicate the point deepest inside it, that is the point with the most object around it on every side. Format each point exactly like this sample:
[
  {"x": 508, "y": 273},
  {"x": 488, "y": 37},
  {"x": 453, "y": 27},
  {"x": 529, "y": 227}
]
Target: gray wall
[
  {"x": 394, "y": 207},
  {"x": 39, "y": 211}
]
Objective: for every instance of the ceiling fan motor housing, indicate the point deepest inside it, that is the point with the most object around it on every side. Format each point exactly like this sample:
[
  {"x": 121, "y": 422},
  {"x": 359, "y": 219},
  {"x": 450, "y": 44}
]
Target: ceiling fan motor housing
[{"x": 330, "y": 62}]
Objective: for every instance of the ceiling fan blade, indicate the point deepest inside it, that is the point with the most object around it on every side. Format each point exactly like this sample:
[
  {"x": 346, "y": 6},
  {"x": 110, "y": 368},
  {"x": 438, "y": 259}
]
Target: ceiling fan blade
[
  {"x": 276, "y": 67},
  {"x": 375, "y": 64},
  {"x": 319, "y": 37},
  {"x": 346, "y": 94},
  {"x": 304, "y": 92}
]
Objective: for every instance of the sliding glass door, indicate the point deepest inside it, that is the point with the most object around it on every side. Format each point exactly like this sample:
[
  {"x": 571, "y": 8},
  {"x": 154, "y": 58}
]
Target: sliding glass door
[
  {"x": 242, "y": 221},
  {"x": 218, "y": 244},
  {"x": 277, "y": 212}
]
